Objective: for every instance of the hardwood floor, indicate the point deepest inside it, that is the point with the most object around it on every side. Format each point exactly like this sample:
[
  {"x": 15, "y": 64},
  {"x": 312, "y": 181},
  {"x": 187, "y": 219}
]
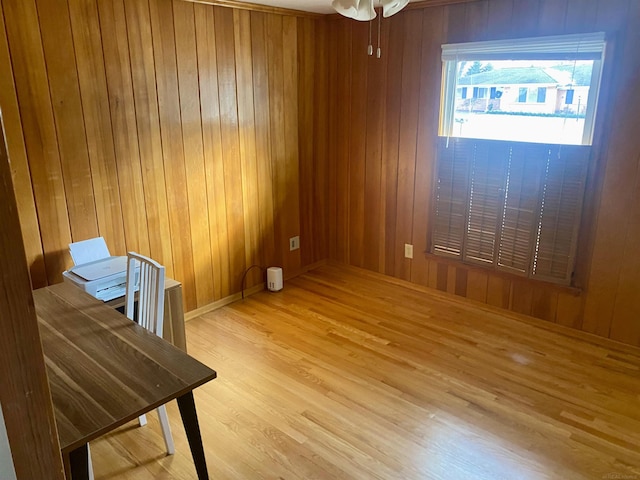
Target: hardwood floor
[{"x": 347, "y": 374}]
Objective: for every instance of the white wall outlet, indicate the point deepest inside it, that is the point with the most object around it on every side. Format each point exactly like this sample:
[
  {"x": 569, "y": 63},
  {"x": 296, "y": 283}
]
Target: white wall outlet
[
  {"x": 294, "y": 243},
  {"x": 408, "y": 250}
]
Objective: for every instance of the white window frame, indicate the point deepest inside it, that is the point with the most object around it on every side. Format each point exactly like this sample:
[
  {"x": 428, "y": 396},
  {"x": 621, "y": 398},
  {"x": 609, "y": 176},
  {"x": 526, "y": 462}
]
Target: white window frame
[{"x": 590, "y": 46}]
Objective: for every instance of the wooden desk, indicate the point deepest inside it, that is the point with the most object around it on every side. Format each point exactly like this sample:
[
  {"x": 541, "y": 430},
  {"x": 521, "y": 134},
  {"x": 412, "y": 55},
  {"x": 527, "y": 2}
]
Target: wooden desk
[{"x": 104, "y": 371}]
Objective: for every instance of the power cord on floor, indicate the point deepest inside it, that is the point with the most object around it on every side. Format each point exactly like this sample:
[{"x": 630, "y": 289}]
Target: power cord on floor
[{"x": 244, "y": 276}]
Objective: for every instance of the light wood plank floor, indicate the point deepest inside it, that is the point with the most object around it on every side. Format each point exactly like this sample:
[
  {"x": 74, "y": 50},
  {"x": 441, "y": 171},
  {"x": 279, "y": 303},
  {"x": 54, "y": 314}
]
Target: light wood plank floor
[{"x": 347, "y": 374}]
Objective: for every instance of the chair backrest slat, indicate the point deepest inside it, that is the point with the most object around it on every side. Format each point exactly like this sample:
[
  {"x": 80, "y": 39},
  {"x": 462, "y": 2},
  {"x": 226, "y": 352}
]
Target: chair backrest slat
[{"x": 150, "y": 282}]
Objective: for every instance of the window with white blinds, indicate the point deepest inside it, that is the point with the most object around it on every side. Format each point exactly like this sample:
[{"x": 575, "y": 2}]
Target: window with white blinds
[{"x": 513, "y": 206}]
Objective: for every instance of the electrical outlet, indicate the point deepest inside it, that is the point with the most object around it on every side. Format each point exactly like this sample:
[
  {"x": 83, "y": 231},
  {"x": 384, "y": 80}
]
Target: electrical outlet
[
  {"x": 408, "y": 250},
  {"x": 294, "y": 243}
]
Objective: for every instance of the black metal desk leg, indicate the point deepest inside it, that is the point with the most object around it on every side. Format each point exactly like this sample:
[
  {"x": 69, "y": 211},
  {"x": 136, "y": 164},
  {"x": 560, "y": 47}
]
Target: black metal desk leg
[
  {"x": 187, "y": 407},
  {"x": 79, "y": 463}
]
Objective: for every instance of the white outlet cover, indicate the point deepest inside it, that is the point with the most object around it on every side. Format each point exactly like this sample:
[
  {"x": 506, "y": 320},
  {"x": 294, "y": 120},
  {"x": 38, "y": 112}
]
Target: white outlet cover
[{"x": 408, "y": 250}]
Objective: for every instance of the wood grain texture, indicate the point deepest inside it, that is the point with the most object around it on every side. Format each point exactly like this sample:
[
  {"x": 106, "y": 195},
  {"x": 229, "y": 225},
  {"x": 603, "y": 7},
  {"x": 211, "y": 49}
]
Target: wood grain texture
[
  {"x": 89, "y": 351},
  {"x": 334, "y": 378},
  {"x": 62, "y": 72},
  {"x": 143, "y": 77},
  {"x": 19, "y": 164},
  {"x": 87, "y": 41},
  {"x": 194, "y": 166},
  {"x": 116, "y": 81},
  {"x": 113, "y": 24},
  {"x": 167, "y": 129},
  {"x": 24, "y": 390},
  {"x": 164, "y": 54},
  {"x": 605, "y": 305},
  {"x": 38, "y": 128}
]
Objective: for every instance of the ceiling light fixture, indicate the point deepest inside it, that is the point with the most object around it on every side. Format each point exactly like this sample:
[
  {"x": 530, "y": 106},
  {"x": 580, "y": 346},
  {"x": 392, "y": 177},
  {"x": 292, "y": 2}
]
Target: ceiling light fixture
[{"x": 364, "y": 11}]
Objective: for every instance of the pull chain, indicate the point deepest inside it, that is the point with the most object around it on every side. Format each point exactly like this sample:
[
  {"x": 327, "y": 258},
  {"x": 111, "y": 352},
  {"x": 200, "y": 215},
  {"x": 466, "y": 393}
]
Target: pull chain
[
  {"x": 370, "y": 47},
  {"x": 379, "y": 52}
]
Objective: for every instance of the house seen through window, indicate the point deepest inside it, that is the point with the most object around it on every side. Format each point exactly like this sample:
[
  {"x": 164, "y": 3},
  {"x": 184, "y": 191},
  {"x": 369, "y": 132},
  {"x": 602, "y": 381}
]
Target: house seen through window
[{"x": 516, "y": 125}]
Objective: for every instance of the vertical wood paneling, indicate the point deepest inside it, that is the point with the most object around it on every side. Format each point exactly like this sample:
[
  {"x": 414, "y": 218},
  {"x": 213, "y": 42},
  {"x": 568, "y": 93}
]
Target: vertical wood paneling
[
  {"x": 391, "y": 139},
  {"x": 143, "y": 78},
  {"x": 246, "y": 121},
  {"x": 230, "y": 141},
  {"x": 19, "y": 165},
  {"x": 263, "y": 137},
  {"x": 67, "y": 111},
  {"x": 320, "y": 136},
  {"x": 525, "y": 16},
  {"x": 581, "y": 15},
  {"x": 521, "y": 297},
  {"x": 306, "y": 124},
  {"x": 477, "y": 284},
  {"x": 343, "y": 138},
  {"x": 92, "y": 78},
  {"x": 164, "y": 54},
  {"x": 499, "y": 24},
  {"x": 433, "y": 35},
  {"x": 607, "y": 306},
  {"x": 276, "y": 127},
  {"x": 334, "y": 93},
  {"x": 191, "y": 119},
  {"x": 498, "y": 291},
  {"x": 357, "y": 151},
  {"x": 168, "y": 128},
  {"x": 290, "y": 166},
  {"x": 410, "y": 87},
  {"x": 212, "y": 143},
  {"x": 113, "y": 24},
  {"x": 552, "y": 17},
  {"x": 569, "y": 311},
  {"x": 627, "y": 308},
  {"x": 544, "y": 304},
  {"x": 373, "y": 220},
  {"x": 36, "y": 112},
  {"x": 621, "y": 170},
  {"x": 476, "y": 16}
]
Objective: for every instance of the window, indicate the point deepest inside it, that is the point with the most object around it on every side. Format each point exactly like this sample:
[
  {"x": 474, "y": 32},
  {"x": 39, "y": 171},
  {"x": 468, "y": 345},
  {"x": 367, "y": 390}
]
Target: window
[
  {"x": 479, "y": 92},
  {"x": 522, "y": 94},
  {"x": 533, "y": 76},
  {"x": 509, "y": 205},
  {"x": 511, "y": 169}
]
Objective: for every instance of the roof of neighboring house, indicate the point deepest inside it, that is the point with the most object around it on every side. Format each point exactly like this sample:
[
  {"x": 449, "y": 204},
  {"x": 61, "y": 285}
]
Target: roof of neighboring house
[
  {"x": 510, "y": 76},
  {"x": 577, "y": 75}
]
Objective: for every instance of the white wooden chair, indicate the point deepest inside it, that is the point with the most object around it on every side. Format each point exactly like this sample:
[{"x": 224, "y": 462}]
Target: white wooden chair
[
  {"x": 150, "y": 315},
  {"x": 149, "y": 275}
]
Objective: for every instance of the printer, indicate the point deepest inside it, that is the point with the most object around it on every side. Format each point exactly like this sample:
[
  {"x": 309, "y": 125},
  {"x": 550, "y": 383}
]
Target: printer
[{"x": 96, "y": 271}]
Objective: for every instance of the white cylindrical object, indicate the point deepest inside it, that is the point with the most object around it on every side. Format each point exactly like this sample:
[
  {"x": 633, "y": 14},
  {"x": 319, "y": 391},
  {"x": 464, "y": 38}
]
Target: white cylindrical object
[{"x": 274, "y": 279}]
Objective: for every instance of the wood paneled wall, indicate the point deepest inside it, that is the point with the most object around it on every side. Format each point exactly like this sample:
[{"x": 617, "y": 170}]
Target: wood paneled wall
[
  {"x": 174, "y": 129},
  {"x": 383, "y": 127}
]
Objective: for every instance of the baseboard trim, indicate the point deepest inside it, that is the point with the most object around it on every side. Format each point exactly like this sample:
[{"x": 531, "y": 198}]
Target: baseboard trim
[{"x": 248, "y": 292}]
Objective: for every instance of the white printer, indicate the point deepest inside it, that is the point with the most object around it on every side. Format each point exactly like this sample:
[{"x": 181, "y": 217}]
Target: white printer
[{"x": 96, "y": 271}]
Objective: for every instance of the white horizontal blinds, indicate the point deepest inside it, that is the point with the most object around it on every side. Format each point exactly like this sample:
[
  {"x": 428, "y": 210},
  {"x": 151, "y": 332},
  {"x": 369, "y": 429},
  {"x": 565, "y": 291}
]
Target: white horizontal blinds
[
  {"x": 521, "y": 206},
  {"x": 559, "y": 220},
  {"x": 452, "y": 196},
  {"x": 588, "y": 46},
  {"x": 488, "y": 176}
]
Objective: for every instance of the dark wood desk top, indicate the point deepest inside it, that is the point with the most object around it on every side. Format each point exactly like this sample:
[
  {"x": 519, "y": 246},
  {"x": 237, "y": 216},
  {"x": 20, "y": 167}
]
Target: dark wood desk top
[{"x": 105, "y": 370}]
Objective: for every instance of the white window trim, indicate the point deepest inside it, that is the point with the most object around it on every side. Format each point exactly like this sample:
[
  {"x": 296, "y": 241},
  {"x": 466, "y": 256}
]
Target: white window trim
[{"x": 589, "y": 46}]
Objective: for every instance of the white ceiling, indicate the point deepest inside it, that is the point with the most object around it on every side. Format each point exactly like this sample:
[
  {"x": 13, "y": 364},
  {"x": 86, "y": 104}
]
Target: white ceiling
[{"x": 316, "y": 6}]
